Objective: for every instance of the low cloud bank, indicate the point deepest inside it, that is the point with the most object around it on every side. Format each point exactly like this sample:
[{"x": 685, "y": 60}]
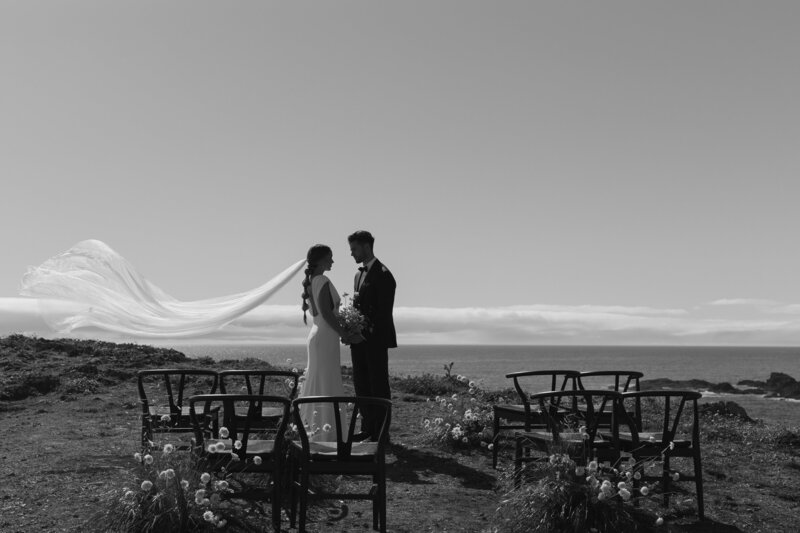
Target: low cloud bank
[{"x": 722, "y": 322}]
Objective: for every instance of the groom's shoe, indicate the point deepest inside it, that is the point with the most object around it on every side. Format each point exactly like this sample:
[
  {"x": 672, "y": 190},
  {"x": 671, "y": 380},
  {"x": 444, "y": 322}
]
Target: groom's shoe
[{"x": 361, "y": 437}]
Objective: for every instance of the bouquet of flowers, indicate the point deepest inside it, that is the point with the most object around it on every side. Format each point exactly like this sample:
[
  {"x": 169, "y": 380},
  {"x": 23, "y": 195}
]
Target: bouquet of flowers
[{"x": 350, "y": 318}]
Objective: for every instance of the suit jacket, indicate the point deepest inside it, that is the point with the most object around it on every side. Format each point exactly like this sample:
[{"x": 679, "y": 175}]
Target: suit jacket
[{"x": 375, "y": 300}]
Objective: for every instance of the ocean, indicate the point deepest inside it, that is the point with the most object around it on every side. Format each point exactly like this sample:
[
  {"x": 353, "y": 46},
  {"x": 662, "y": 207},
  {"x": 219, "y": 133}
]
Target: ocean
[{"x": 488, "y": 365}]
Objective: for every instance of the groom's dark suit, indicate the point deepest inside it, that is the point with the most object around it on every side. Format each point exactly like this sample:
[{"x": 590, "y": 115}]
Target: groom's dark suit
[{"x": 375, "y": 299}]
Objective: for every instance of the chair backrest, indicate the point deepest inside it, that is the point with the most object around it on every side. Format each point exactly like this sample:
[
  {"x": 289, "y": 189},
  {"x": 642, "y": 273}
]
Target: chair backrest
[
  {"x": 617, "y": 380},
  {"x": 235, "y": 410},
  {"x": 260, "y": 382},
  {"x": 346, "y": 410},
  {"x": 171, "y": 386},
  {"x": 666, "y": 415},
  {"x": 588, "y": 410},
  {"x": 533, "y": 381}
]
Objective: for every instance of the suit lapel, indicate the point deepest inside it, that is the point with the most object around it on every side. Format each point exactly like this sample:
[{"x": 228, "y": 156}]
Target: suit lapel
[
  {"x": 371, "y": 273},
  {"x": 369, "y": 278}
]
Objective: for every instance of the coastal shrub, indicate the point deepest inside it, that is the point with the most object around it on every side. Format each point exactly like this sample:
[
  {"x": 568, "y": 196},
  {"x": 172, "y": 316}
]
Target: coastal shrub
[
  {"x": 559, "y": 495},
  {"x": 728, "y": 430},
  {"x": 81, "y": 385},
  {"x": 248, "y": 363},
  {"x": 728, "y": 409},
  {"x": 427, "y": 385},
  {"x": 430, "y": 385},
  {"x": 29, "y": 385},
  {"x": 789, "y": 439}
]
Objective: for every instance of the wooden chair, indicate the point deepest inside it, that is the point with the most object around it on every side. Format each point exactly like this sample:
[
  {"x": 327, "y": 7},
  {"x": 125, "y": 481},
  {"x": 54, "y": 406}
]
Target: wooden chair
[
  {"x": 575, "y": 430},
  {"x": 520, "y": 416},
  {"x": 674, "y": 433},
  {"x": 335, "y": 453},
  {"x": 163, "y": 393},
  {"x": 261, "y": 382},
  {"x": 239, "y": 447},
  {"x": 616, "y": 380}
]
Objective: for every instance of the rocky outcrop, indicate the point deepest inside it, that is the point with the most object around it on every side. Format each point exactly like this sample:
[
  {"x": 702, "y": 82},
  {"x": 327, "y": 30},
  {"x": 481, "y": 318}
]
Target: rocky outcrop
[
  {"x": 778, "y": 385},
  {"x": 783, "y": 385}
]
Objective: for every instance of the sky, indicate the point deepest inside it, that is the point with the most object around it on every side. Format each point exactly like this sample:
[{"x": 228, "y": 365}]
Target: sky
[{"x": 533, "y": 172}]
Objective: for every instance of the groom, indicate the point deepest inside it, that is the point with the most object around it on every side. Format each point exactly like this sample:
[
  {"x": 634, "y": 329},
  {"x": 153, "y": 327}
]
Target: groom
[{"x": 374, "y": 289}]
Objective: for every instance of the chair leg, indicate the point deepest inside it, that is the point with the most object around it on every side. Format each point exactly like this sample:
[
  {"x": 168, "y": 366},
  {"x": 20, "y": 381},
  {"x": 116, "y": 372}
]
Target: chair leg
[
  {"x": 517, "y": 462},
  {"x": 665, "y": 479},
  {"x": 698, "y": 480},
  {"x": 304, "y": 482},
  {"x": 147, "y": 432},
  {"x": 382, "y": 499},
  {"x": 376, "y": 507},
  {"x": 292, "y": 492},
  {"x": 276, "y": 500},
  {"x": 494, "y": 440},
  {"x": 637, "y": 483}
]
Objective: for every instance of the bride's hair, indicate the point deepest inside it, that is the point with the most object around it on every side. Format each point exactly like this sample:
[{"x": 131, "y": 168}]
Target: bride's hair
[{"x": 315, "y": 254}]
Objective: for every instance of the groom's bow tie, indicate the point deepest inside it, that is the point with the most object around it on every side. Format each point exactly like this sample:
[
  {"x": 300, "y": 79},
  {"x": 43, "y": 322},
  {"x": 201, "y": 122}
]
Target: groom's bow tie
[{"x": 363, "y": 269}]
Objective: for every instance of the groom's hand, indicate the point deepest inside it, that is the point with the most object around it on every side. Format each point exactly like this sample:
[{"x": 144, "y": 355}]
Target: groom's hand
[{"x": 355, "y": 339}]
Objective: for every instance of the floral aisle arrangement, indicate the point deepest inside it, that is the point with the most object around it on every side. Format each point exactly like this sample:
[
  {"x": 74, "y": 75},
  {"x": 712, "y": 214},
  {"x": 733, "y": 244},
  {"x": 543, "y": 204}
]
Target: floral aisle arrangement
[
  {"x": 564, "y": 496},
  {"x": 170, "y": 494}
]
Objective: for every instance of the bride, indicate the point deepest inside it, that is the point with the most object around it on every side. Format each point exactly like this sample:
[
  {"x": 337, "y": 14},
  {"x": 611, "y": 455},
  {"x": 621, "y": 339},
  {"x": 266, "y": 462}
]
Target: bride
[{"x": 323, "y": 372}]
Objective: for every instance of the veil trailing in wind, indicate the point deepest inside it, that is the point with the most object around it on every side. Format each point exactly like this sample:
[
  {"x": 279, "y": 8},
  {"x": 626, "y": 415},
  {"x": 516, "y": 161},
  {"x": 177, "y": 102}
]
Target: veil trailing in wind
[{"x": 111, "y": 295}]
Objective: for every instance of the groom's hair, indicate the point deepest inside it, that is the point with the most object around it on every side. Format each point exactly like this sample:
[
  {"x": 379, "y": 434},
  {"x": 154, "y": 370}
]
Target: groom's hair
[{"x": 363, "y": 237}]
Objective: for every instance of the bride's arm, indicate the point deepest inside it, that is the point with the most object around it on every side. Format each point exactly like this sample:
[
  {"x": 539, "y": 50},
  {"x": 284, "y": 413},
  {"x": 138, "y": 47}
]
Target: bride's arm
[{"x": 326, "y": 309}]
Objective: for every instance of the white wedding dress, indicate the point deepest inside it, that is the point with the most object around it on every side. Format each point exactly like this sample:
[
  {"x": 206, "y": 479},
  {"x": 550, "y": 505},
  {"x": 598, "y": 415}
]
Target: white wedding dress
[{"x": 324, "y": 369}]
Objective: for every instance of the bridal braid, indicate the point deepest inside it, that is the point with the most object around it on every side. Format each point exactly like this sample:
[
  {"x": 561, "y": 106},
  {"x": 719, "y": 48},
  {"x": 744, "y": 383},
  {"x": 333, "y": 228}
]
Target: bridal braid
[{"x": 315, "y": 254}]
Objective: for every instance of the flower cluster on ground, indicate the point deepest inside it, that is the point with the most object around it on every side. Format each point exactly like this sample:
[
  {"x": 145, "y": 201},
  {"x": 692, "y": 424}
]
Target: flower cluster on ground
[
  {"x": 170, "y": 492},
  {"x": 561, "y": 495},
  {"x": 460, "y": 420}
]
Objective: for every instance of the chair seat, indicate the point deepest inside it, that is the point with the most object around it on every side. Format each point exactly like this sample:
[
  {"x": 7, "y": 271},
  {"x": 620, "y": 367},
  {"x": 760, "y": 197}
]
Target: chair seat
[
  {"x": 323, "y": 449},
  {"x": 652, "y": 440},
  {"x": 644, "y": 436},
  {"x": 254, "y": 447},
  {"x": 510, "y": 408},
  {"x": 161, "y": 411},
  {"x": 271, "y": 412},
  {"x": 548, "y": 436},
  {"x": 653, "y": 436}
]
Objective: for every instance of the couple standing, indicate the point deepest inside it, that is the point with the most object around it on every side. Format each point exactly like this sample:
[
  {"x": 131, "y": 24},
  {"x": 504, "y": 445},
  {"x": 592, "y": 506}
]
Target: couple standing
[{"x": 373, "y": 289}]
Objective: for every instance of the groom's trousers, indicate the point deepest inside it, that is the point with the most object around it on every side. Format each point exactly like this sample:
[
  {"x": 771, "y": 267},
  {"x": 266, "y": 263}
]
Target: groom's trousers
[{"x": 371, "y": 379}]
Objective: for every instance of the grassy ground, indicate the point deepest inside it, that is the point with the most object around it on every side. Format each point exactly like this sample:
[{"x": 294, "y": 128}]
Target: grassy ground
[{"x": 69, "y": 418}]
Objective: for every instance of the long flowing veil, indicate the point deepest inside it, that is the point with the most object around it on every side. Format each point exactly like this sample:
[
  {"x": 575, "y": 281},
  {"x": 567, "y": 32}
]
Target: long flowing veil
[{"x": 113, "y": 296}]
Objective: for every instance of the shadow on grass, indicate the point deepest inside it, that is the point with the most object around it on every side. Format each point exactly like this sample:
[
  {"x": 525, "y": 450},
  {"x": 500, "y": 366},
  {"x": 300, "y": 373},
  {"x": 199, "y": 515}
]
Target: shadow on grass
[
  {"x": 411, "y": 465},
  {"x": 709, "y": 526}
]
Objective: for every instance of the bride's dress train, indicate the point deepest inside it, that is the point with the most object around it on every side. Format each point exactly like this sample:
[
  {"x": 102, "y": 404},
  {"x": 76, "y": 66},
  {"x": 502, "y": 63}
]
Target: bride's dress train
[
  {"x": 111, "y": 295},
  {"x": 323, "y": 372}
]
